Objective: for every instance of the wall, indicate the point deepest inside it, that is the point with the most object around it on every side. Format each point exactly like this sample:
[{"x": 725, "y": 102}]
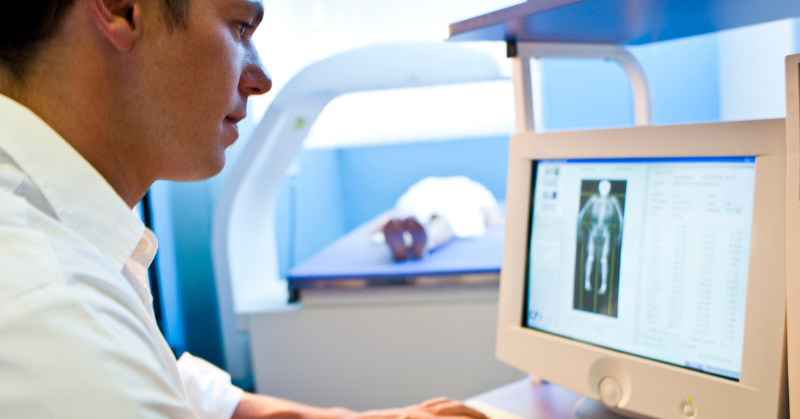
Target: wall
[
  {"x": 311, "y": 210},
  {"x": 797, "y": 35},
  {"x": 172, "y": 306},
  {"x": 374, "y": 177},
  {"x": 751, "y": 70},
  {"x": 683, "y": 79}
]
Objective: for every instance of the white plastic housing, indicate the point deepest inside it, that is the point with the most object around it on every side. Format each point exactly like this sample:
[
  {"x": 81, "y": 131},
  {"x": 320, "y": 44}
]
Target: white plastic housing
[
  {"x": 793, "y": 225},
  {"x": 243, "y": 240},
  {"x": 650, "y": 387}
]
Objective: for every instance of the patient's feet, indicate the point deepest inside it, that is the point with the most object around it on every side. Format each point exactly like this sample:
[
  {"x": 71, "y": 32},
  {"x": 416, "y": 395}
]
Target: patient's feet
[
  {"x": 393, "y": 231},
  {"x": 418, "y": 234}
]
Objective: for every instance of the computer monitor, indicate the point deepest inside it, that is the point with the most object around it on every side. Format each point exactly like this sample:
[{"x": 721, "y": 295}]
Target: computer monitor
[{"x": 645, "y": 267}]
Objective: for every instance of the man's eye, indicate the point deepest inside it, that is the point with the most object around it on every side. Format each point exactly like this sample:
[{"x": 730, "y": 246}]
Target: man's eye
[{"x": 242, "y": 28}]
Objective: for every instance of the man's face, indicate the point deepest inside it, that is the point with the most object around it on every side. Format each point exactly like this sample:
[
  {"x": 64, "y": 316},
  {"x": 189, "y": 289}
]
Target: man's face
[{"x": 194, "y": 85}]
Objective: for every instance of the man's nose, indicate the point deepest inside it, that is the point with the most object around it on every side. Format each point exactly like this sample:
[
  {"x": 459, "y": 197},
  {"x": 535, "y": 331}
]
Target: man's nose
[{"x": 255, "y": 78}]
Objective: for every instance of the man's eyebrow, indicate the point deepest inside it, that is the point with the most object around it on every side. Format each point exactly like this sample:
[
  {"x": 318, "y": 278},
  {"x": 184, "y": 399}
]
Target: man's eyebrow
[
  {"x": 255, "y": 7},
  {"x": 259, "y": 9}
]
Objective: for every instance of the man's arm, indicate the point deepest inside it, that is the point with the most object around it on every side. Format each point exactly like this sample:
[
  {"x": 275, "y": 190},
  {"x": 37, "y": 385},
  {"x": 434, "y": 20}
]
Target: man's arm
[
  {"x": 212, "y": 396},
  {"x": 254, "y": 406}
]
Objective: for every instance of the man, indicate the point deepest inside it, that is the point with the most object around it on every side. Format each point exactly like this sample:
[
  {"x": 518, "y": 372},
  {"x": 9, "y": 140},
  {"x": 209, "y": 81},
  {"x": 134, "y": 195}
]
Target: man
[{"x": 100, "y": 98}]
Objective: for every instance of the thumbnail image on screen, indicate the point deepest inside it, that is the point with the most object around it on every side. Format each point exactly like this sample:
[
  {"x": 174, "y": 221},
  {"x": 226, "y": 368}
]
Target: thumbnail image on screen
[
  {"x": 600, "y": 223},
  {"x": 644, "y": 256}
]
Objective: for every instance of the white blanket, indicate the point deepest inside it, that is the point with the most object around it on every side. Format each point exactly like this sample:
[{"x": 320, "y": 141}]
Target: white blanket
[{"x": 459, "y": 200}]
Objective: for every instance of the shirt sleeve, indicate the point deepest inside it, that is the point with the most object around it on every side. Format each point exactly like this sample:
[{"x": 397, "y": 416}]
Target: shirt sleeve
[
  {"x": 209, "y": 388},
  {"x": 60, "y": 359}
]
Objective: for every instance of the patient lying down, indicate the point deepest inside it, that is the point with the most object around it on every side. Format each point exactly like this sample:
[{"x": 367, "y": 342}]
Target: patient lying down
[{"x": 433, "y": 211}]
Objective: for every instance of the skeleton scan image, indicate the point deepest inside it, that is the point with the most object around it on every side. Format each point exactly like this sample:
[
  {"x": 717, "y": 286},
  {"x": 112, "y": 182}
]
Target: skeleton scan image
[{"x": 600, "y": 222}]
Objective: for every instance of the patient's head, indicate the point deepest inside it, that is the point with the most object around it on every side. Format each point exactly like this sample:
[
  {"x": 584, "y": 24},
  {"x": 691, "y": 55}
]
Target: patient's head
[
  {"x": 604, "y": 188},
  {"x": 143, "y": 89}
]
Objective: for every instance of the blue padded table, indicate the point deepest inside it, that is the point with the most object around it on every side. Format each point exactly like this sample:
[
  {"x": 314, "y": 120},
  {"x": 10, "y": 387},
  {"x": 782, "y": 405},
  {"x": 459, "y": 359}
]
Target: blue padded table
[{"x": 355, "y": 260}]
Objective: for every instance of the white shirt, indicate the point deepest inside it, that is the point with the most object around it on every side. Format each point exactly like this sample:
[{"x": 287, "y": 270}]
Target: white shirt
[{"x": 77, "y": 334}]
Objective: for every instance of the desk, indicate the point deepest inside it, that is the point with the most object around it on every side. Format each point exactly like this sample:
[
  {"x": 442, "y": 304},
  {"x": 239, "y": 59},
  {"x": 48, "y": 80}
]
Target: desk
[
  {"x": 532, "y": 400},
  {"x": 529, "y": 400}
]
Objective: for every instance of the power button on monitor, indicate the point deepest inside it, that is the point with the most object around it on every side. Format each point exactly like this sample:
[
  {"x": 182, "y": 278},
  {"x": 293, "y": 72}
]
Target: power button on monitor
[
  {"x": 687, "y": 409},
  {"x": 610, "y": 391}
]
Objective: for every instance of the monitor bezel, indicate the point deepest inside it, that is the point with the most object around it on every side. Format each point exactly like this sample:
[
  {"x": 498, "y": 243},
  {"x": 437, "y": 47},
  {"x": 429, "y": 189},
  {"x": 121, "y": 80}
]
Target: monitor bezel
[
  {"x": 652, "y": 387},
  {"x": 793, "y": 224}
]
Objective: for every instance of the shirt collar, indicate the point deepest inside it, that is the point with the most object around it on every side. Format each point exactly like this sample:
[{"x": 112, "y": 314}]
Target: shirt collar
[
  {"x": 146, "y": 249},
  {"x": 80, "y": 197}
]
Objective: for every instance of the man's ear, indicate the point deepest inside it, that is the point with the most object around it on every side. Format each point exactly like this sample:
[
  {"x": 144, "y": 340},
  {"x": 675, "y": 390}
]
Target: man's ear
[{"x": 119, "y": 20}]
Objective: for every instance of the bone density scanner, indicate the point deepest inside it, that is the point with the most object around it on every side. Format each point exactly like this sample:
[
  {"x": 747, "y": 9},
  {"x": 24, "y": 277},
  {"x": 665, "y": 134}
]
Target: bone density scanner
[{"x": 244, "y": 248}]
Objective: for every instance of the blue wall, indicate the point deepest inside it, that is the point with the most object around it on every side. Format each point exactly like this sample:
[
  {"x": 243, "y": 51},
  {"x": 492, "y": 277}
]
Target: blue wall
[
  {"x": 310, "y": 213},
  {"x": 172, "y": 306},
  {"x": 191, "y": 203},
  {"x": 374, "y": 177},
  {"x": 182, "y": 215},
  {"x": 585, "y": 94},
  {"x": 683, "y": 78},
  {"x": 797, "y": 35}
]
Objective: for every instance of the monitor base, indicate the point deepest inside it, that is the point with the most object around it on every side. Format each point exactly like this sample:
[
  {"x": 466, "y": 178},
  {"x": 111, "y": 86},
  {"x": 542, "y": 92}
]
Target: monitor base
[{"x": 589, "y": 408}]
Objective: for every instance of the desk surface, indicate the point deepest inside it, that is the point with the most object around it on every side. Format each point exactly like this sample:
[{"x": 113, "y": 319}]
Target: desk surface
[
  {"x": 532, "y": 401},
  {"x": 528, "y": 400}
]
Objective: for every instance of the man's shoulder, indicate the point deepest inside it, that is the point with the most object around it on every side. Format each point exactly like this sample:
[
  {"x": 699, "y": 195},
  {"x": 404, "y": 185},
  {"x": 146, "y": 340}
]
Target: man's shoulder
[
  {"x": 38, "y": 253},
  {"x": 26, "y": 259},
  {"x": 28, "y": 225},
  {"x": 30, "y": 245},
  {"x": 10, "y": 174},
  {"x": 63, "y": 315},
  {"x": 47, "y": 274}
]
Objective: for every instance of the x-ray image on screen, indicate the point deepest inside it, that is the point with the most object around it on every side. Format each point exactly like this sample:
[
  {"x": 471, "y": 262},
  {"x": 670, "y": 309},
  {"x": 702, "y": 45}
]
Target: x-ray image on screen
[{"x": 600, "y": 225}]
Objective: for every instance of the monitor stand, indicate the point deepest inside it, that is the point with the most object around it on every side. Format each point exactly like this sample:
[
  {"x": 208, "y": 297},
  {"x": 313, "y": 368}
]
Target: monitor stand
[{"x": 589, "y": 408}]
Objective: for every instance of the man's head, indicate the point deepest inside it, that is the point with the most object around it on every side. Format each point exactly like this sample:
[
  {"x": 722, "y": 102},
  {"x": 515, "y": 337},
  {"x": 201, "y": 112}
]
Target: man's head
[{"x": 158, "y": 83}]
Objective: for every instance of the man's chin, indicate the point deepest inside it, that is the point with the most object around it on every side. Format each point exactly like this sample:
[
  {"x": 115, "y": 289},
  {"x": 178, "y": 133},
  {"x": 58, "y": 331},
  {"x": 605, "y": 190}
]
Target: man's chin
[
  {"x": 200, "y": 169},
  {"x": 216, "y": 162},
  {"x": 216, "y": 165}
]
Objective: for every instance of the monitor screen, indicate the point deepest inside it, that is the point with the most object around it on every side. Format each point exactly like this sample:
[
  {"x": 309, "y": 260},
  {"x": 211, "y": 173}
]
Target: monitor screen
[{"x": 644, "y": 256}]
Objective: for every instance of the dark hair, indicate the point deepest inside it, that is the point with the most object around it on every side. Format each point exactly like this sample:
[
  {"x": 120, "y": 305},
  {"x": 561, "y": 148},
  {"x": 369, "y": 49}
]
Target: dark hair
[{"x": 27, "y": 24}]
